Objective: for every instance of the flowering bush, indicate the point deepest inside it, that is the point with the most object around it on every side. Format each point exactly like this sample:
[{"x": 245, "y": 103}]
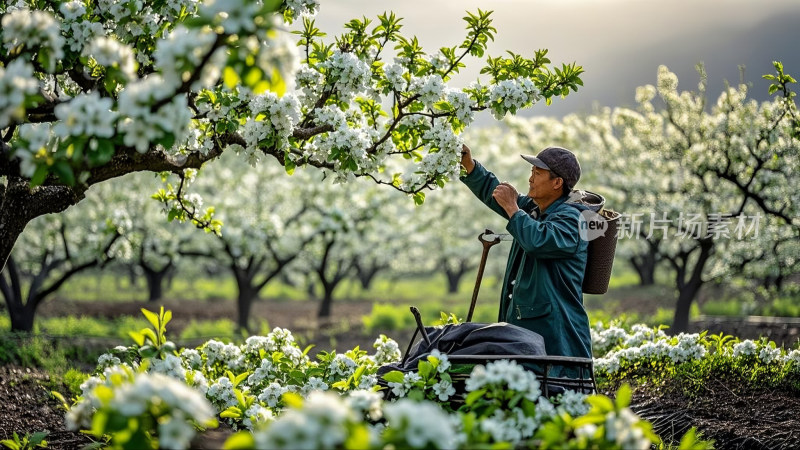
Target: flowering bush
[
  {"x": 278, "y": 397},
  {"x": 649, "y": 353},
  {"x": 131, "y": 407}
]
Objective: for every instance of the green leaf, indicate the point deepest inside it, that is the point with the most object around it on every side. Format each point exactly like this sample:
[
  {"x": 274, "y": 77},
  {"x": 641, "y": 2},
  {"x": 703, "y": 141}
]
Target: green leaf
[
  {"x": 241, "y": 440},
  {"x": 292, "y": 400},
  {"x": 148, "y": 351},
  {"x": 230, "y": 77},
  {"x": 241, "y": 377},
  {"x": 253, "y": 77},
  {"x": 232, "y": 412},
  {"x": 150, "y": 334},
  {"x": 11, "y": 444},
  {"x": 151, "y": 317},
  {"x": 288, "y": 164},
  {"x": 103, "y": 153},
  {"x": 38, "y": 437},
  {"x": 623, "y": 396},
  {"x": 394, "y": 376},
  {"x": 358, "y": 438},
  {"x": 137, "y": 337},
  {"x": 473, "y": 396},
  {"x": 239, "y": 396},
  {"x": 99, "y": 422},
  {"x": 64, "y": 172},
  {"x": 359, "y": 372},
  {"x": 425, "y": 369},
  {"x": 39, "y": 175}
]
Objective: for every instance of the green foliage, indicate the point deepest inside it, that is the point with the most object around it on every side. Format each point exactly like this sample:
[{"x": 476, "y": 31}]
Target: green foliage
[
  {"x": 28, "y": 441},
  {"x": 222, "y": 329},
  {"x": 76, "y": 326},
  {"x": 73, "y": 379},
  {"x": 41, "y": 352},
  {"x": 125, "y": 325},
  {"x": 782, "y": 306},
  {"x": 181, "y": 210},
  {"x": 152, "y": 342},
  {"x": 722, "y": 307},
  {"x": 387, "y": 317}
]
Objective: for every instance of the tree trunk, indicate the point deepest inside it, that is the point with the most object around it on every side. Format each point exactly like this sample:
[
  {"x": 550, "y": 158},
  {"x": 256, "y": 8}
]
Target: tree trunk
[
  {"x": 155, "y": 289},
  {"x": 327, "y": 301},
  {"x": 453, "y": 278},
  {"x": 686, "y": 296},
  {"x": 645, "y": 264},
  {"x": 22, "y": 318},
  {"x": 19, "y": 204},
  {"x": 688, "y": 289},
  {"x": 366, "y": 277},
  {"x": 155, "y": 281},
  {"x": 454, "y": 275},
  {"x": 244, "y": 303},
  {"x": 20, "y": 312},
  {"x": 366, "y": 274}
]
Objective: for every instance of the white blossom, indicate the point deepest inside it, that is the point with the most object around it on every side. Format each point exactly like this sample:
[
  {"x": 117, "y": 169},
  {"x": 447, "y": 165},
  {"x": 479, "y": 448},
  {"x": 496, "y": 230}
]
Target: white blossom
[
  {"x": 430, "y": 89},
  {"x": 235, "y": 16},
  {"x": 348, "y": 74},
  {"x": 320, "y": 423},
  {"x": 620, "y": 428},
  {"x": 86, "y": 115},
  {"x": 394, "y": 75},
  {"x": 744, "y": 349},
  {"x": 109, "y": 52},
  {"x": 414, "y": 419},
  {"x": 34, "y": 30},
  {"x": 367, "y": 402},
  {"x": 16, "y": 82}
]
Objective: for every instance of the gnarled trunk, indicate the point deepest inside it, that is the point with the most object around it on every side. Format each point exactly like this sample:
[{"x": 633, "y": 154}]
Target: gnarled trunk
[{"x": 19, "y": 204}]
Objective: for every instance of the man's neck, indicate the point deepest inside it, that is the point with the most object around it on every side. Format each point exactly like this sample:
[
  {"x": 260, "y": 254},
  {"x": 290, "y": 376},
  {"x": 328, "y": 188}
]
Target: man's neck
[{"x": 543, "y": 204}]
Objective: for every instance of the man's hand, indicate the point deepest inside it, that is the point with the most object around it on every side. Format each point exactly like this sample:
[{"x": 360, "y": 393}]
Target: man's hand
[
  {"x": 466, "y": 159},
  {"x": 506, "y": 196}
]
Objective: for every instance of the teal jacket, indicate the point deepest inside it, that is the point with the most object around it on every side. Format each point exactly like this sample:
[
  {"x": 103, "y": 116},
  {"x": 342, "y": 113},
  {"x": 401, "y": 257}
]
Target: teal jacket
[{"x": 543, "y": 278}]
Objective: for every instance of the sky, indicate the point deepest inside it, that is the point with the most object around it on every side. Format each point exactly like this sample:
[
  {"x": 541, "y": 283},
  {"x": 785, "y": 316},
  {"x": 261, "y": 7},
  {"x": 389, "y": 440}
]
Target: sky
[{"x": 619, "y": 43}]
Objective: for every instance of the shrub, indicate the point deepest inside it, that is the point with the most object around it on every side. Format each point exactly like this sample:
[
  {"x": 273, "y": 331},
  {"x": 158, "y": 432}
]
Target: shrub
[
  {"x": 387, "y": 317},
  {"x": 76, "y": 326},
  {"x": 730, "y": 307},
  {"x": 223, "y": 329}
]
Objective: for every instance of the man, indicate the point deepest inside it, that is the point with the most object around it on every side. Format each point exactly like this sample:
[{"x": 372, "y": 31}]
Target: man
[{"x": 542, "y": 285}]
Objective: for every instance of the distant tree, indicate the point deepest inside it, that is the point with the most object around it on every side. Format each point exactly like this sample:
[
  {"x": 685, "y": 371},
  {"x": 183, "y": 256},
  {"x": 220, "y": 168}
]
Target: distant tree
[
  {"x": 53, "y": 250},
  {"x": 267, "y": 219},
  {"x": 720, "y": 180}
]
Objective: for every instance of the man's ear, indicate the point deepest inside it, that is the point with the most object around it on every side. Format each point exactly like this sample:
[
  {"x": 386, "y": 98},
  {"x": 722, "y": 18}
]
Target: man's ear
[{"x": 559, "y": 184}]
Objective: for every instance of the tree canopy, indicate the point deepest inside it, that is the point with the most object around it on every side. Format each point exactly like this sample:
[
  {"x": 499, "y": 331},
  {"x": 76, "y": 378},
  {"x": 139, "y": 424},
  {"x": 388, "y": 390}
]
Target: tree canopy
[{"x": 93, "y": 91}]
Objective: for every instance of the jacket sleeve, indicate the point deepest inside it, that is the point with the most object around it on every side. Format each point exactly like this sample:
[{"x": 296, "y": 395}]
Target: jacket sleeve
[
  {"x": 482, "y": 183},
  {"x": 556, "y": 237}
]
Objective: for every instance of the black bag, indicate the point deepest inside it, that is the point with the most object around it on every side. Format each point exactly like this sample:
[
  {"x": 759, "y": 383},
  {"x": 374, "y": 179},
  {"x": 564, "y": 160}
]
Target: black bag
[{"x": 470, "y": 339}]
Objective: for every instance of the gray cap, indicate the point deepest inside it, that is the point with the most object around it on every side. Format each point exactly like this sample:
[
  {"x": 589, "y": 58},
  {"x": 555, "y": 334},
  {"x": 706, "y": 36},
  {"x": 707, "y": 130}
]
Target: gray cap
[{"x": 560, "y": 161}]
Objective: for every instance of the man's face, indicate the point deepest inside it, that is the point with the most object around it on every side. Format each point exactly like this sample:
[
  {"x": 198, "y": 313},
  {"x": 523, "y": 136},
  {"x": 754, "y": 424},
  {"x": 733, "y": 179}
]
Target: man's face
[{"x": 540, "y": 185}]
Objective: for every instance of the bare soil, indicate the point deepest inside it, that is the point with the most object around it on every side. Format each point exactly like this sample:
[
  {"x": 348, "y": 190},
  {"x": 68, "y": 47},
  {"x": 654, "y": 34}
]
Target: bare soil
[{"x": 734, "y": 417}]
